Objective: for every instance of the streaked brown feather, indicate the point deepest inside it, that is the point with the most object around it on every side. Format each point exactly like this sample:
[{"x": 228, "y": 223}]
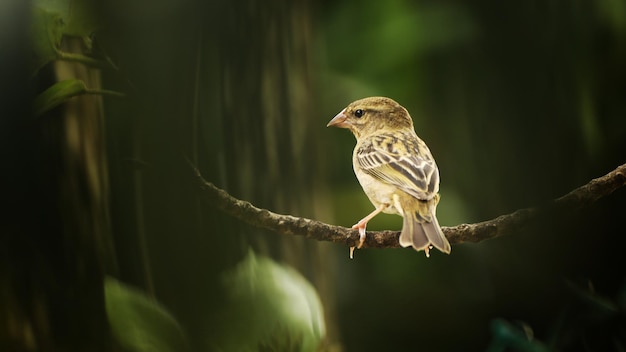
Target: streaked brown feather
[{"x": 403, "y": 161}]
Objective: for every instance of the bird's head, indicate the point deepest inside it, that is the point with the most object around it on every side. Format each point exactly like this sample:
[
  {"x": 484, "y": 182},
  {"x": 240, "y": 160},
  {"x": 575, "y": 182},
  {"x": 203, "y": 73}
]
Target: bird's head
[{"x": 369, "y": 115}]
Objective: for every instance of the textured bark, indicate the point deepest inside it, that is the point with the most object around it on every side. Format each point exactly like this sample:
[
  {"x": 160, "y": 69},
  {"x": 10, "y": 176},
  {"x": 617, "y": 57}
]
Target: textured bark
[{"x": 577, "y": 199}]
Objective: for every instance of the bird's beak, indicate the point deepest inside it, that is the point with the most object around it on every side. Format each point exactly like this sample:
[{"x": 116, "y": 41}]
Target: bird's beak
[{"x": 339, "y": 120}]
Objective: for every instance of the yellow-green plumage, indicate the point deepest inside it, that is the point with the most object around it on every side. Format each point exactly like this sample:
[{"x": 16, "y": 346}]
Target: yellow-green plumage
[{"x": 396, "y": 169}]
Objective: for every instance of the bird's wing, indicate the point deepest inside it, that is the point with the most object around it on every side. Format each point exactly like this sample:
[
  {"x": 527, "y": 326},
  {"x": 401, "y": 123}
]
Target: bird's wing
[{"x": 400, "y": 160}]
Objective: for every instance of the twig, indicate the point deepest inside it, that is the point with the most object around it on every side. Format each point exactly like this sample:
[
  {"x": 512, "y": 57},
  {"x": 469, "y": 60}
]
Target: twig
[{"x": 577, "y": 199}]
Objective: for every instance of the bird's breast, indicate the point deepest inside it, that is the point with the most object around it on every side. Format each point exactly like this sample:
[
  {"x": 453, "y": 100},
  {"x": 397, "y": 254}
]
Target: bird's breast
[{"x": 377, "y": 191}]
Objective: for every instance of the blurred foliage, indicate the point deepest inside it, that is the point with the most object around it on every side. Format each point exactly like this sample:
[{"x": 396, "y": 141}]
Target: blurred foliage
[
  {"x": 591, "y": 320},
  {"x": 46, "y": 34},
  {"x": 57, "y": 94},
  {"x": 61, "y": 91},
  {"x": 270, "y": 307},
  {"x": 587, "y": 322},
  {"x": 519, "y": 102},
  {"x": 508, "y": 336},
  {"x": 138, "y": 323},
  {"x": 372, "y": 48},
  {"x": 54, "y": 19}
]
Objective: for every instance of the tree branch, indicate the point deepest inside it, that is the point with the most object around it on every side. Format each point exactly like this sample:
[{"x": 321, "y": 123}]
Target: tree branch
[{"x": 577, "y": 199}]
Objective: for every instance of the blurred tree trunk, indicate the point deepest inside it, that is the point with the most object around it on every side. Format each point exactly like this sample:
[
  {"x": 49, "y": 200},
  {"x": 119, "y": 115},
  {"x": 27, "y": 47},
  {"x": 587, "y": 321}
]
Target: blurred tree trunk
[
  {"x": 57, "y": 241},
  {"x": 269, "y": 127},
  {"x": 228, "y": 86}
]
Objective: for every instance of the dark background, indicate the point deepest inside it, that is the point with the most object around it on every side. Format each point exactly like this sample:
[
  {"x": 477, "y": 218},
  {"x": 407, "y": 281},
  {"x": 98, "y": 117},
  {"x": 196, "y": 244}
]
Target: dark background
[{"x": 519, "y": 101}]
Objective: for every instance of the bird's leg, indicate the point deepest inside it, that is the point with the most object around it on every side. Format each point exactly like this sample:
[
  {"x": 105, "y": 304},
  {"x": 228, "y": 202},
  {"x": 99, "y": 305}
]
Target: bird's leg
[{"x": 362, "y": 224}]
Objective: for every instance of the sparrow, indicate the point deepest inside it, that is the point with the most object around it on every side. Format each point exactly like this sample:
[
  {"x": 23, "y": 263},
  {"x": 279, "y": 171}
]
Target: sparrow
[{"x": 396, "y": 170}]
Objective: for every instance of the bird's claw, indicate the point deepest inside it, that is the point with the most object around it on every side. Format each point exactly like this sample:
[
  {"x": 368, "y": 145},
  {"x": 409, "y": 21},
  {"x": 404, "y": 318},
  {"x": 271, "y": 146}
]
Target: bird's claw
[
  {"x": 427, "y": 250},
  {"x": 361, "y": 227}
]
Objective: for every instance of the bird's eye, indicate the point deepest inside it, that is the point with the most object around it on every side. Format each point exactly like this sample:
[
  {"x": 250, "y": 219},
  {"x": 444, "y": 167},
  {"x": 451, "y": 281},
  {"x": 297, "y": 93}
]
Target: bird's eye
[{"x": 358, "y": 113}]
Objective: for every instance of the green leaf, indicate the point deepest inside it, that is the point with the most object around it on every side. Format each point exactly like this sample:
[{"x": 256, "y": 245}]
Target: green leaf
[
  {"x": 46, "y": 33},
  {"x": 79, "y": 16},
  {"x": 82, "y": 20},
  {"x": 139, "y": 323},
  {"x": 64, "y": 90},
  {"x": 53, "y": 19},
  {"x": 271, "y": 307},
  {"x": 57, "y": 94},
  {"x": 507, "y": 337}
]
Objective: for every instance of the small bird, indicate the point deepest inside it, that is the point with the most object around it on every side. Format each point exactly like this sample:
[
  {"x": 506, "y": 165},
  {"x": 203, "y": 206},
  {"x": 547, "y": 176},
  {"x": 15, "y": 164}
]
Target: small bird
[{"x": 396, "y": 170}]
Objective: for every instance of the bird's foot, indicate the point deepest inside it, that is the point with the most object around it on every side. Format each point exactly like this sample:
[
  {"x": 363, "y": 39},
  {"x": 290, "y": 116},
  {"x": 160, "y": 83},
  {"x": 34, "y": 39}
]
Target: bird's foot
[{"x": 361, "y": 227}]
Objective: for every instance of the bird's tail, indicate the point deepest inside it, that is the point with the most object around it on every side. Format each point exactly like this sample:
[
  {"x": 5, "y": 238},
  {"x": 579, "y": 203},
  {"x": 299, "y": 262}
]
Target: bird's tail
[{"x": 421, "y": 229}]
